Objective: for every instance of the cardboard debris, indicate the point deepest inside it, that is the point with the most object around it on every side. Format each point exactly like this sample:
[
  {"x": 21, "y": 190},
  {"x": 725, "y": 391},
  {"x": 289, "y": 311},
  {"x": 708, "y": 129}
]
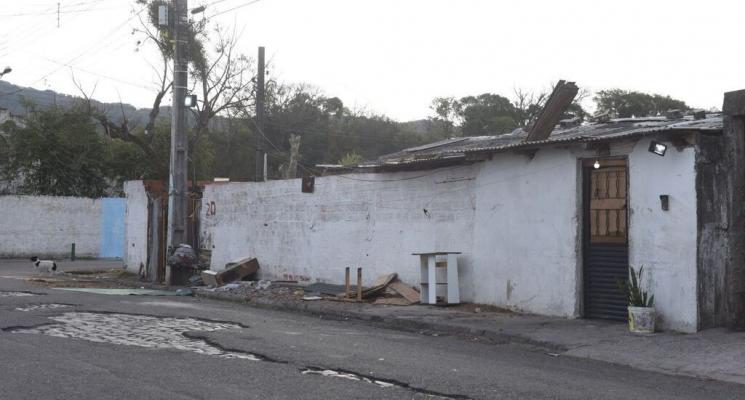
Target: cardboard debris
[{"x": 408, "y": 292}]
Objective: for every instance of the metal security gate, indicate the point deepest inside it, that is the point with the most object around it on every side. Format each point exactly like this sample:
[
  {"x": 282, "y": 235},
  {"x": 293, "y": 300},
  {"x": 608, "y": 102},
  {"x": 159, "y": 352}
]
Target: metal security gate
[{"x": 606, "y": 250}]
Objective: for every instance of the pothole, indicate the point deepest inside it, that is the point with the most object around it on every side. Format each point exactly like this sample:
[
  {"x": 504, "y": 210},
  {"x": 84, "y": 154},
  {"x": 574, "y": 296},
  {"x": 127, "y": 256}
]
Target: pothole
[
  {"x": 46, "y": 306},
  {"x": 384, "y": 383},
  {"x": 138, "y": 330},
  {"x": 16, "y": 294},
  {"x": 346, "y": 375},
  {"x": 179, "y": 334}
]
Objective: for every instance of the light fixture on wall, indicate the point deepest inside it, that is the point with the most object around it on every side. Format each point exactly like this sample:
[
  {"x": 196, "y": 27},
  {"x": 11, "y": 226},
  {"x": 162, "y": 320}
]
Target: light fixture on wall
[
  {"x": 596, "y": 165},
  {"x": 657, "y": 148},
  {"x": 190, "y": 100}
]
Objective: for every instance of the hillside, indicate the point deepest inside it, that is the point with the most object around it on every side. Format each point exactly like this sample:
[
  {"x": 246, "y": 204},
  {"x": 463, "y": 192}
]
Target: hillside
[{"x": 14, "y": 98}]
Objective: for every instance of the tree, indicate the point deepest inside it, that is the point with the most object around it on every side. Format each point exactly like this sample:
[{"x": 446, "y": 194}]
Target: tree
[
  {"x": 492, "y": 114},
  {"x": 222, "y": 77},
  {"x": 626, "y": 104},
  {"x": 57, "y": 152}
]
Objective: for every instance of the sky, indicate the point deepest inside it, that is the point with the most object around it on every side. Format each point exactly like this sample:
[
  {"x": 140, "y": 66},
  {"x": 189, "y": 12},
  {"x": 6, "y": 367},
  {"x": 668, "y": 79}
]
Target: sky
[{"x": 393, "y": 57}]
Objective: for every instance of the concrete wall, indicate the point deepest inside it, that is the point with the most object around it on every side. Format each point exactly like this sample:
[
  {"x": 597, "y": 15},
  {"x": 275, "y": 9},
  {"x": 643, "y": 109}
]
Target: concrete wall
[
  {"x": 665, "y": 242},
  {"x": 516, "y": 219},
  {"x": 367, "y": 220},
  {"x": 525, "y": 233},
  {"x": 47, "y": 226},
  {"x": 135, "y": 250}
]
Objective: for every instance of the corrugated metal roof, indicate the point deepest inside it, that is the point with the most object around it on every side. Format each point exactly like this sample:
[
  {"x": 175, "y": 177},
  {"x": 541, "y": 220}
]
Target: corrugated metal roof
[{"x": 619, "y": 129}]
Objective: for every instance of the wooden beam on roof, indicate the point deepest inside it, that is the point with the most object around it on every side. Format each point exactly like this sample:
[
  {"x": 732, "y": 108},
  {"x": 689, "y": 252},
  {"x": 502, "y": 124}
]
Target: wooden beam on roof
[{"x": 550, "y": 115}]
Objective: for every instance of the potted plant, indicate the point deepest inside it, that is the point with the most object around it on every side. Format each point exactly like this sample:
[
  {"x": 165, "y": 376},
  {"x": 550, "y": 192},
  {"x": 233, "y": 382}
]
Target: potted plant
[{"x": 642, "y": 314}]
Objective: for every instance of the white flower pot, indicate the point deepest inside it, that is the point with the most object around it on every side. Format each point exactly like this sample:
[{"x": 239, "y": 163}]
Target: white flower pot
[{"x": 642, "y": 319}]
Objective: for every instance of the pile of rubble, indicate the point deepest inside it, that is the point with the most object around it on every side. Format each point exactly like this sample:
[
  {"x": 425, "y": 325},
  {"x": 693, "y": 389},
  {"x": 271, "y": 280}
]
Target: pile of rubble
[{"x": 387, "y": 289}]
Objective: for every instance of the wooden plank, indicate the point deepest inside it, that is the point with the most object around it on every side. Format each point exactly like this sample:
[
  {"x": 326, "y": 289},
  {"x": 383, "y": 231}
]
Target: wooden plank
[
  {"x": 608, "y": 204},
  {"x": 561, "y": 97},
  {"x": 405, "y": 290}
]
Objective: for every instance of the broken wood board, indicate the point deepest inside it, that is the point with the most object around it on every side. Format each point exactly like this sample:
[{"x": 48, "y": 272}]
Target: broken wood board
[
  {"x": 408, "y": 292},
  {"x": 237, "y": 270},
  {"x": 379, "y": 285}
]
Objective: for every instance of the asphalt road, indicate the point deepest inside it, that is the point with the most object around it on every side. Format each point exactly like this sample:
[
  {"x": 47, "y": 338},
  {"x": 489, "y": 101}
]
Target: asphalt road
[{"x": 69, "y": 345}]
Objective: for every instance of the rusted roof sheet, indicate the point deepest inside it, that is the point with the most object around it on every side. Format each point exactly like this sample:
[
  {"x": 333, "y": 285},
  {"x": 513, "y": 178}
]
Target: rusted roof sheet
[{"x": 452, "y": 150}]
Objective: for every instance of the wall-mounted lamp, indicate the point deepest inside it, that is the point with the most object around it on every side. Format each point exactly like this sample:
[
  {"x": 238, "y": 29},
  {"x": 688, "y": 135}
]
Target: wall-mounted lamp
[
  {"x": 190, "y": 100},
  {"x": 596, "y": 165},
  {"x": 657, "y": 148},
  {"x": 665, "y": 202}
]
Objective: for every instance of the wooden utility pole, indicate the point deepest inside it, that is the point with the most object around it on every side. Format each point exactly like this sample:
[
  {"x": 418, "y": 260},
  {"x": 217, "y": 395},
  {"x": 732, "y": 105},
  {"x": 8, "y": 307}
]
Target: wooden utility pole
[
  {"x": 260, "y": 155},
  {"x": 177, "y": 189}
]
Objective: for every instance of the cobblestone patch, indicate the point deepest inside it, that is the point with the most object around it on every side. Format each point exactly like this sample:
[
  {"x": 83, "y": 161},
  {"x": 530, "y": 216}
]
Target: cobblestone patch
[
  {"x": 16, "y": 294},
  {"x": 138, "y": 330},
  {"x": 48, "y": 306}
]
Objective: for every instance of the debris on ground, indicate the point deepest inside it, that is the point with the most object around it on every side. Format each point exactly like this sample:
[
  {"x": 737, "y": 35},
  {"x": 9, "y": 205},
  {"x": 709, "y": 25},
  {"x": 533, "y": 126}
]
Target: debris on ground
[
  {"x": 249, "y": 290},
  {"x": 312, "y": 298},
  {"x": 184, "y": 292},
  {"x": 209, "y": 278},
  {"x": 393, "y": 301},
  {"x": 183, "y": 257},
  {"x": 387, "y": 290},
  {"x": 234, "y": 271},
  {"x": 196, "y": 280},
  {"x": 328, "y": 289},
  {"x": 406, "y": 291},
  {"x": 379, "y": 285}
]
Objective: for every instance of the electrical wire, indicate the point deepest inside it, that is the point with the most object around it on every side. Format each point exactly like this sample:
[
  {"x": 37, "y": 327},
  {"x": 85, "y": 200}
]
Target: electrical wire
[
  {"x": 234, "y": 8},
  {"x": 96, "y": 44}
]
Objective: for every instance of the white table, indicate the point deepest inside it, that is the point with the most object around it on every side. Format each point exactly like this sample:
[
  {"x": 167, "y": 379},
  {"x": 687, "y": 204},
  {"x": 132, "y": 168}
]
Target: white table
[{"x": 428, "y": 279}]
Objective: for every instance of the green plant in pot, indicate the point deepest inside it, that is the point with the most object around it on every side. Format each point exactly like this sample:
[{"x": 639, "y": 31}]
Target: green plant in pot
[{"x": 642, "y": 314}]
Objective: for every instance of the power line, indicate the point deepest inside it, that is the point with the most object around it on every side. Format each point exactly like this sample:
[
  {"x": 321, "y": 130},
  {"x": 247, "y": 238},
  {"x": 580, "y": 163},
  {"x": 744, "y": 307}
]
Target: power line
[
  {"x": 103, "y": 39},
  {"x": 234, "y": 8}
]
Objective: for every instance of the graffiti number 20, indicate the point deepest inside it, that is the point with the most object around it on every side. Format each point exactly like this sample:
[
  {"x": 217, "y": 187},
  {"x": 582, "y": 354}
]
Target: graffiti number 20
[{"x": 211, "y": 209}]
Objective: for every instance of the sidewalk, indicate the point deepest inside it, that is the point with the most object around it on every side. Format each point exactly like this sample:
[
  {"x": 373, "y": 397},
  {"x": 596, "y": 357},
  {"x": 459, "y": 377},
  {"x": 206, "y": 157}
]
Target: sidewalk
[{"x": 716, "y": 354}]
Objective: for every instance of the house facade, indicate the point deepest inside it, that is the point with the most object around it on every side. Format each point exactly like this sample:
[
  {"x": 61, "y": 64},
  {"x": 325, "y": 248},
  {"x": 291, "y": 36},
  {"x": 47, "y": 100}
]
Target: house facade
[{"x": 546, "y": 227}]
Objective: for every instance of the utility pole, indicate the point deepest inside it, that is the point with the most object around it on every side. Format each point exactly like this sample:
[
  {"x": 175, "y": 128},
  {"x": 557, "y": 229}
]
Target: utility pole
[
  {"x": 260, "y": 154},
  {"x": 177, "y": 185}
]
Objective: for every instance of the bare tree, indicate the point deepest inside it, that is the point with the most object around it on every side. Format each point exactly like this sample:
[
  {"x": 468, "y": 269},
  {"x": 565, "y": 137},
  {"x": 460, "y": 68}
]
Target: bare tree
[{"x": 223, "y": 78}]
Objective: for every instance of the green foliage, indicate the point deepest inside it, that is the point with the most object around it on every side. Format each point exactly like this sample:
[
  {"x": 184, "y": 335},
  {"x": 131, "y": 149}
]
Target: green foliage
[
  {"x": 487, "y": 114},
  {"x": 351, "y": 159},
  {"x": 57, "y": 152},
  {"x": 626, "y": 104},
  {"x": 632, "y": 288},
  {"x": 492, "y": 114}
]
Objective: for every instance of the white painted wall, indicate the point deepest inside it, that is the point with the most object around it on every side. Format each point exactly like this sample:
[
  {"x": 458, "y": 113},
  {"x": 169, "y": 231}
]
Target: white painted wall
[
  {"x": 665, "y": 241},
  {"x": 514, "y": 218},
  {"x": 135, "y": 250},
  {"x": 47, "y": 226},
  {"x": 348, "y": 221},
  {"x": 525, "y": 233}
]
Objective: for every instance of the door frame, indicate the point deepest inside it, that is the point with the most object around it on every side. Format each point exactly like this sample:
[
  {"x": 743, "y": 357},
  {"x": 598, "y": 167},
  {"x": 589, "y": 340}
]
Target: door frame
[{"x": 586, "y": 167}]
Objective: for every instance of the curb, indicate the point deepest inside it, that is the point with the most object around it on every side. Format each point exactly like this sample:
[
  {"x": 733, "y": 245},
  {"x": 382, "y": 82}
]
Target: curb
[{"x": 399, "y": 324}]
